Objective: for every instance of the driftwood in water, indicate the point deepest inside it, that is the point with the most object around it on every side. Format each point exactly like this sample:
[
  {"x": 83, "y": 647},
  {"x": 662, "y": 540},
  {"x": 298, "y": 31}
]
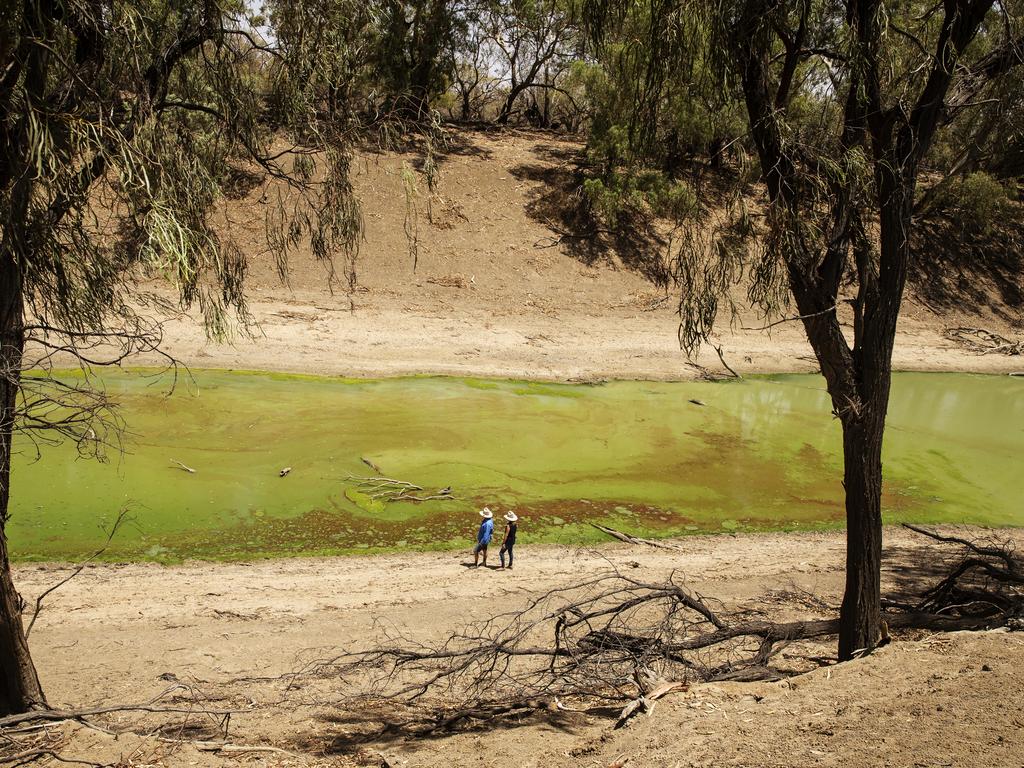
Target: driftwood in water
[{"x": 387, "y": 489}]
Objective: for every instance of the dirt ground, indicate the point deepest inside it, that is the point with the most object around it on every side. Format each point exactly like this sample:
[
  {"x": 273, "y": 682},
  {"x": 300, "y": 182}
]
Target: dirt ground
[
  {"x": 124, "y": 633},
  {"x": 496, "y": 291}
]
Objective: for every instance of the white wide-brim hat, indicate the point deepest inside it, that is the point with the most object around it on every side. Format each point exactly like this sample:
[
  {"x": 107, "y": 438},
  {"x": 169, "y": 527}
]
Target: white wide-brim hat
[
  {"x": 511, "y": 516},
  {"x": 485, "y": 512}
]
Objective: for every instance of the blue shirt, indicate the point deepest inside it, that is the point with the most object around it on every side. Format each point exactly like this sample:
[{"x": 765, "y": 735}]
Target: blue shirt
[{"x": 486, "y": 531}]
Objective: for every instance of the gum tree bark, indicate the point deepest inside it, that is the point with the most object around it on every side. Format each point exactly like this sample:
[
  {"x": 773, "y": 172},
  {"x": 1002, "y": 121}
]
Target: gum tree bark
[
  {"x": 20, "y": 690},
  {"x": 893, "y": 133}
]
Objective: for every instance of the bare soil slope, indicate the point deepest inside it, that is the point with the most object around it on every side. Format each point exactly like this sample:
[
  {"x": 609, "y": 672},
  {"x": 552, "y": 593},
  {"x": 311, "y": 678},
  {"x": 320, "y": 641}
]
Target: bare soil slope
[{"x": 500, "y": 287}]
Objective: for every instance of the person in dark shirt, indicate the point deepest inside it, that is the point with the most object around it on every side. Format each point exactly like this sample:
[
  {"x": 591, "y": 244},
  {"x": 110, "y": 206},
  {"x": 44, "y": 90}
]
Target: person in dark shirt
[
  {"x": 483, "y": 536},
  {"x": 509, "y": 540}
]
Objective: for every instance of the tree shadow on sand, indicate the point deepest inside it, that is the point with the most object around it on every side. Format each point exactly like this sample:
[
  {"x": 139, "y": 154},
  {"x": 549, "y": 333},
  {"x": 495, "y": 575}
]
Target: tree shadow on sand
[
  {"x": 632, "y": 243},
  {"x": 380, "y": 726},
  {"x": 956, "y": 270}
]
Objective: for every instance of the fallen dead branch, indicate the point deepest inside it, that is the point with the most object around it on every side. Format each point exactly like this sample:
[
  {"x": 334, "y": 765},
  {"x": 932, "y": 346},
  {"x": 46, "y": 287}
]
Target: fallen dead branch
[
  {"x": 190, "y": 707},
  {"x": 33, "y": 736},
  {"x": 984, "y": 342},
  {"x": 984, "y": 580},
  {"x": 614, "y": 639},
  {"x": 630, "y": 539},
  {"x": 387, "y": 489}
]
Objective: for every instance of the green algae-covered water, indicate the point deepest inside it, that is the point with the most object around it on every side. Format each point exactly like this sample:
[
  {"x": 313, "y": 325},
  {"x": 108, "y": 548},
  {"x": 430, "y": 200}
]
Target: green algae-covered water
[{"x": 762, "y": 453}]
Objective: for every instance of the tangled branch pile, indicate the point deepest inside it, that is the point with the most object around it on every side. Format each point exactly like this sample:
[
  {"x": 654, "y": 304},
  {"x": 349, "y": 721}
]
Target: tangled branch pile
[
  {"x": 614, "y": 638},
  {"x": 984, "y": 342},
  {"x": 982, "y": 581},
  {"x": 385, "y": 489}
]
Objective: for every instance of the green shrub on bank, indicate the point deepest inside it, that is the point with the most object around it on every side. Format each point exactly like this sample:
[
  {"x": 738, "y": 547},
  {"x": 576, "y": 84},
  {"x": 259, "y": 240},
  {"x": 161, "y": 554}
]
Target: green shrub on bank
[{"x": 977, "y": 201}]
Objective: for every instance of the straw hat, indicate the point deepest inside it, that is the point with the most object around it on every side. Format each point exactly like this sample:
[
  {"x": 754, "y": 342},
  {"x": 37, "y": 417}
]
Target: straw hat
[
  {"x": 511, "y": 516},
  {"x": 485, "y": 512}
]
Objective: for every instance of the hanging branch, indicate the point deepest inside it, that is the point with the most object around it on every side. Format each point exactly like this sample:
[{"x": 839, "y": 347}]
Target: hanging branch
[{"x": 121, "y": 517}]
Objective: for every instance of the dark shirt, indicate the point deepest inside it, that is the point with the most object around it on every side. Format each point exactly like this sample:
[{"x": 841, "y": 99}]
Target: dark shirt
[{"x": 510, "y": 537}]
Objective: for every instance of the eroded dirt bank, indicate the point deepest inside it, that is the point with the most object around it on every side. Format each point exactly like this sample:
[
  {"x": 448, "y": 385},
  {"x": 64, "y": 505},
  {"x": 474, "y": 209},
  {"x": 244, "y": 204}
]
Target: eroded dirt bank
[{"x": 496, "y": 289}]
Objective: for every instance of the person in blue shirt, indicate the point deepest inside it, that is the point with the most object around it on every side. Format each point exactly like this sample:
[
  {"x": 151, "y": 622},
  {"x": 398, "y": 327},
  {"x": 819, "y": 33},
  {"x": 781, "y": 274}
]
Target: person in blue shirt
[{"x": 483, "y": 536}]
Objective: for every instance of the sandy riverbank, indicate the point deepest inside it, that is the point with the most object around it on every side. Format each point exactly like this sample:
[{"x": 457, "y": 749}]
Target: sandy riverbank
[
  {"x": 120, "y": 633},
  {"x": 495, "y": 291}
]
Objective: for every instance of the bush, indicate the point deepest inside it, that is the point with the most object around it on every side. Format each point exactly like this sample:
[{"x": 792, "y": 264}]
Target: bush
[
  {"x": 978, "y": 200},
  {"x": 646, "y": 192}
]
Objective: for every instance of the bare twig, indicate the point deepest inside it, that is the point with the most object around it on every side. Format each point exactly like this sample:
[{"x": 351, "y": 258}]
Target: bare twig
[
  {"x": 790, "y": 319},
  {"x": 721, "y": 357},
  {"x": 121, "y": 516}
]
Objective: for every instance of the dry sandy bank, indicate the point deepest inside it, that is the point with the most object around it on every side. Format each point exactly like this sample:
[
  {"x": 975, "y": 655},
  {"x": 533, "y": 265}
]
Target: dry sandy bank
[{"x": 120, "y": 633}]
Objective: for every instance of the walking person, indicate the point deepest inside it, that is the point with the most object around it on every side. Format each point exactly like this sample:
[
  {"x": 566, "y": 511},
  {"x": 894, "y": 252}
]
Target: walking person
[
  {"x": 509, "y": 539},
  {"x": 483, "y": 536}
]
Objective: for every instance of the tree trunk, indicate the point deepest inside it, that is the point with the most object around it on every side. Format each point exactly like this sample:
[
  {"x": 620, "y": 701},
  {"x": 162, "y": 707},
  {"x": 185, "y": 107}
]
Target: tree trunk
[
  {"x": 510, "y": 101},
  {"x": 19, "y": 684},
  {"x": 876, "y": 311},
  {"x": 546, "y": 114},
  {"x": 860, "y": 613}
]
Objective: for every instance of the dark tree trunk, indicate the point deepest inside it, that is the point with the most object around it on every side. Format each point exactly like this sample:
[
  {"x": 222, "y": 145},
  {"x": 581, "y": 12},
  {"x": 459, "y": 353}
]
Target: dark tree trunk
[
  {"x": 876, "y": 311},
  {"x": 546, "y": 113},
  {"x": 861, "y": 609},
  {"x": 510, "y": 102},
  {"x": 20, "y": 690},
  {"x": 716, "y": 150}
]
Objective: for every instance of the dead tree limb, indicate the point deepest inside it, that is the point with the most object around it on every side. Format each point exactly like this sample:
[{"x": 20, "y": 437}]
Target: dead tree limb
[
  {"x": 150, "y": 706},
  {"x": 984, "y": 580},
  {"x": 121, "y": 517},
  {"x": 595, "y": 642},
  {"x": 984, "y": 342},
  {"x": 388, "y": 489},
  {"x": 630, "y": 539}
]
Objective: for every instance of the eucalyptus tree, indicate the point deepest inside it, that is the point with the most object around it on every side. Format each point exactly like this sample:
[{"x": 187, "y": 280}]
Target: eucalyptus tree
[
  {"x": 533, "y": 37},
  {"x": 843, "y": 100},
  {"x": 122, "y": 124},
  {"x": 473, "y": 58},
  {"x": 411, "y": 57},
  {"x": 335, "y": 44}
]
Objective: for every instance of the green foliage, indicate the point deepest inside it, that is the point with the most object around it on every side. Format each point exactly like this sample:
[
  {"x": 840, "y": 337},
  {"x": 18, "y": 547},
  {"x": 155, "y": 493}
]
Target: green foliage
[
  {"x": 977, "y": 201},
  {"x": 647, "y": 192}
]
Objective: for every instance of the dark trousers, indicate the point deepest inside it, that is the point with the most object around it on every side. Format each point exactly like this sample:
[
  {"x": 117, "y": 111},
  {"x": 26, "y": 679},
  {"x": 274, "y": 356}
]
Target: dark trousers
[{"x": 501, "y": 554}]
